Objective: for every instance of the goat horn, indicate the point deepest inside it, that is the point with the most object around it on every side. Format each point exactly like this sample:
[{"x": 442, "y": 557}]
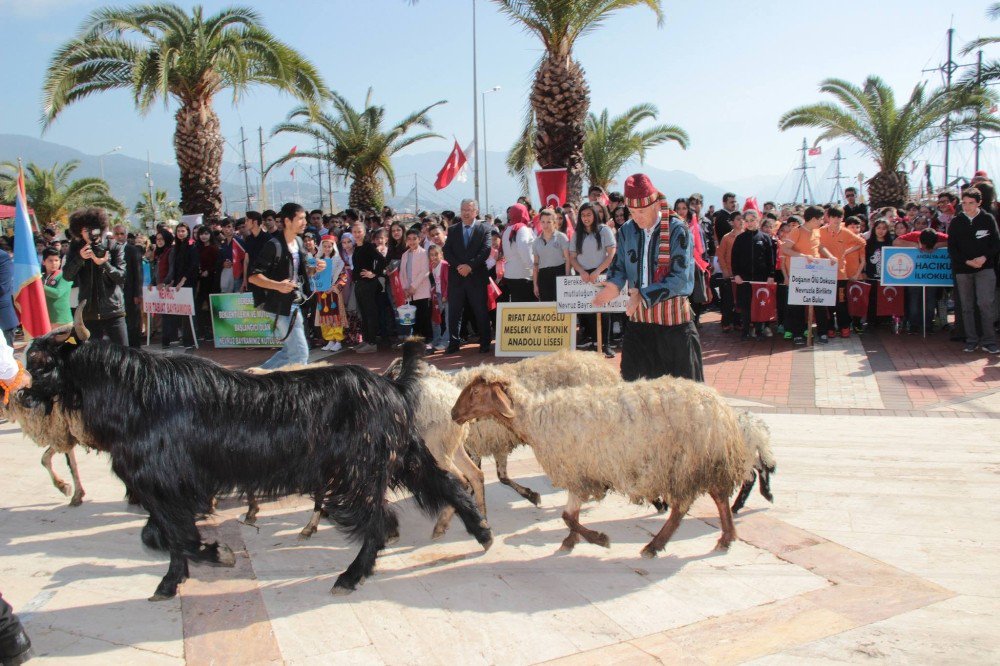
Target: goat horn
[{"x": 82, "y": 333}]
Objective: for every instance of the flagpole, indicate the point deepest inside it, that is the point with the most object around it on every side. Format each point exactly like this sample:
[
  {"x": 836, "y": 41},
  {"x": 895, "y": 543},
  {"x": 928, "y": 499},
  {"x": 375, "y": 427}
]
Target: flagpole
[
  {"x": 31, "y": 215},
  {"x": 475, "y": 105}
]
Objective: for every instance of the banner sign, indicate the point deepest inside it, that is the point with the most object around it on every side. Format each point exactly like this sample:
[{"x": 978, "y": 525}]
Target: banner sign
[
  {"x": 237, "y": 323},
  {"x": 812, "y": 281},
  {"x": 913, "y": 267},
  {"x": 168, "y": 301},
  {"x": 533, "y": 329},
  {"x": 576, "y": 296}
]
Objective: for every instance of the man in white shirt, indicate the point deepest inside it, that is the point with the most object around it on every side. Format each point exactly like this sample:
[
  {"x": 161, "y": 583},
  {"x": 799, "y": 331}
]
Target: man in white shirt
[{"x": 516, "y": 240}]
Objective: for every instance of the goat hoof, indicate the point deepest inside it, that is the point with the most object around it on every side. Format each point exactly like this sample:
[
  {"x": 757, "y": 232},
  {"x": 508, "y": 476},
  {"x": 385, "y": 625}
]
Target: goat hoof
[
  {"x": 342, "y": 586},
  {"x": 161, "y": 597},
  {"x": 486, "y": 544},
  {"x": 535, "y": 498},
  {"x": 77, "y": 500},
  {"x": 306, "y": 533},
  {"x": 722, "y": 545},
  {"x": 250, "y": 520},
  {"x": 648, "y": 553}
]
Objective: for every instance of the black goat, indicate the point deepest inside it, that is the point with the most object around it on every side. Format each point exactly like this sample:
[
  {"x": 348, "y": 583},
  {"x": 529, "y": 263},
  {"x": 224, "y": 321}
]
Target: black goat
[{"x": 181, "y": 430}]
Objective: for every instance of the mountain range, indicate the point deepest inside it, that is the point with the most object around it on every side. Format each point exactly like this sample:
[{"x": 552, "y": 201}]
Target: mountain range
[{"x": 415, "y": 174}]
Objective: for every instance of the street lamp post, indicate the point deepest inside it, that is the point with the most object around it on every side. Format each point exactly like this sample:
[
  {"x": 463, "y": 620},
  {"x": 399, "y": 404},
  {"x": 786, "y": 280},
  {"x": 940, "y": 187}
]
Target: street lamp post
[
  {"x": 100, "y": 158},
  {"x": 486, "y": 156}
]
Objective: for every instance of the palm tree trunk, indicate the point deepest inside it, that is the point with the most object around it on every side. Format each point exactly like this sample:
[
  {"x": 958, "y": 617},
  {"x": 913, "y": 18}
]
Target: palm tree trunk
[
  {"x": 366, "y": 193},
  {"x": 198, "y": 143},
  {"x": 888, "y": 188},
  {"x": 560, "y": 97}
]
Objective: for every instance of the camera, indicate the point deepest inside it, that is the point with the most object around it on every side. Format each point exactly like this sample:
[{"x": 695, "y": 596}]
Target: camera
[
  {"x": 97, "y": 243},
  {"x": 298, "y": 297}
]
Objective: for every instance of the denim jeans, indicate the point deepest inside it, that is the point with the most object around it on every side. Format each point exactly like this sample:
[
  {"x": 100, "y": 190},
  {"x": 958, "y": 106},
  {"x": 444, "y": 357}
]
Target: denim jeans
[
  {"x": 974, "y": 289},
  {"x": 441, "y": 337},
  {"x": 914, "y": 311},
  {"x": 295, "y": 349}
]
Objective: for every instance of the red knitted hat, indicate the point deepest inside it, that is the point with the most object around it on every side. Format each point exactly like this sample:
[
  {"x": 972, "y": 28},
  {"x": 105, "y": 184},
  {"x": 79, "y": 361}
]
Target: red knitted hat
[
  {"x": 328, "y": 237},
  {"x": 751, "y": 204},
  {"x": 981, "y": 174},
  {"x": 639, "y": 191}
]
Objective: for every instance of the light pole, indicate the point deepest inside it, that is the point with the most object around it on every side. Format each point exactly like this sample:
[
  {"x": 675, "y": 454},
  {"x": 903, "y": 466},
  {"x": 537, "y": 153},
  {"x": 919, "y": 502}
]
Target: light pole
[
  {"x": 100, "y": 158},
  {"x": 486, "y": 156}
]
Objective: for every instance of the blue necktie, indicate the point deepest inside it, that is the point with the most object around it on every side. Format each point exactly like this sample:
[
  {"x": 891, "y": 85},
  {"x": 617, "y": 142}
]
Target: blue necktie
[{"x": 467, "y": 230}]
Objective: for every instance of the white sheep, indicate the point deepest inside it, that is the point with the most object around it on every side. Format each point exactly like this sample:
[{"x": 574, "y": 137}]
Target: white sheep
[
  {"x": 667, "y": 437},
  {"x": 54, "y": 432}
]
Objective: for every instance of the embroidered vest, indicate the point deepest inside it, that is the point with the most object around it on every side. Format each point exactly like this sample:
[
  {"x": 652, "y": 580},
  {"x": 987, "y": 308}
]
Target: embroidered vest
[{"x": 672, "y": 311}]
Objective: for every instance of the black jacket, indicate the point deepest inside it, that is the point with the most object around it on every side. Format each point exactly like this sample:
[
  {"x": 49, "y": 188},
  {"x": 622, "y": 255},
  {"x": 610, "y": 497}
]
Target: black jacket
[
  {"x": 275, "y": 263},
  {"x": 100, "y": 286},
  {"x": 133, "y": 272},
  {"x": 968, "y": 239},
  {"x": 368, "y": 258},
  {"x": 753, "y": 256},
  {"x": 475, "y": 254}
]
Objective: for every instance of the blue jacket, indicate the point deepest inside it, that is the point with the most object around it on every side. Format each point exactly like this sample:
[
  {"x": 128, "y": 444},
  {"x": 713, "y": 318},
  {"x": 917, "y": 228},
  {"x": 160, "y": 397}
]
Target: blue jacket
[
  {"x": 625, "y": 267},
  {"x": 8, "y": 315}
]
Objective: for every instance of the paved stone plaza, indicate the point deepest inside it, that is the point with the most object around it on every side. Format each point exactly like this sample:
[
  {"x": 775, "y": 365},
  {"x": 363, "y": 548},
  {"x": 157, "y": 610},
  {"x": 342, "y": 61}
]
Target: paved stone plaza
[{"x": 876, "y": 549}]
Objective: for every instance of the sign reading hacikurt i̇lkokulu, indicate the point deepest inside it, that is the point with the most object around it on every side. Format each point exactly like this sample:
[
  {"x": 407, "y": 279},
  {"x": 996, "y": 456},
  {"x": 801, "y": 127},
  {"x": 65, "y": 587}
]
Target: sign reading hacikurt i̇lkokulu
[
  {"x": 237, "y": 323},
  {"x": 812, "y": 281},
  {"x": 913, "y": 267},
  {"x": 533, "y": 329}
]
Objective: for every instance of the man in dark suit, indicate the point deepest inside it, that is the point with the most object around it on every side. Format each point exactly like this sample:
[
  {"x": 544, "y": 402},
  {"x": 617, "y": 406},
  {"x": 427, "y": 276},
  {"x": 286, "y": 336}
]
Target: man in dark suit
[
  {"x": 466, "y": 250},
  {"x": 132, "y": 287}
]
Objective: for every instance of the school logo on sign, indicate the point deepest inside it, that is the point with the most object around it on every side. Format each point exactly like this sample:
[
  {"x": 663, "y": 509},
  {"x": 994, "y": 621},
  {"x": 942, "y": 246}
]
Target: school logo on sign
[{"x": 900, "y": 266}]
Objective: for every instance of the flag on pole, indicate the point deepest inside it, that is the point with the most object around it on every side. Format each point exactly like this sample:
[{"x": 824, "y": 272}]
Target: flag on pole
[
  {"x": 553, "y": 187},
  {"x": 292, "y": 151},
  {"x": 858, "y": 295},
  {"x": 453, "y": 165},
  {"x": 889, "y": 302},
  {"x": 813, "y": 152},
  {"x": 29, "y": 295},
  {"x": 293, "y": 174}
]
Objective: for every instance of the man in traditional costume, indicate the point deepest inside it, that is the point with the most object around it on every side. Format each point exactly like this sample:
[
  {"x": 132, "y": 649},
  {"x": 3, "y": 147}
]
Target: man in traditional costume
[{"x": 655, "y": 258}]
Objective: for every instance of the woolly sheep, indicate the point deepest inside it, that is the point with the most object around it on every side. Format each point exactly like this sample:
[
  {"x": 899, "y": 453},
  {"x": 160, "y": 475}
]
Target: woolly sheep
[
  {"x": 757, "y": 437},
  {"x": 541, "y": 373},
  {"x": 52, "y": 431},
  {"x": 666, "y": 437}
]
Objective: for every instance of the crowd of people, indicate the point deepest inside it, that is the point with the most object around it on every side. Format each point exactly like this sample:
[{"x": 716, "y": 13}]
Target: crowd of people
[{"x": 342, "y": 278}]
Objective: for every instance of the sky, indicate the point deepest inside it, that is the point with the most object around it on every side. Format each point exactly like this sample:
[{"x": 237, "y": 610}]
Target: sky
[{"x": 724, "y": 70}]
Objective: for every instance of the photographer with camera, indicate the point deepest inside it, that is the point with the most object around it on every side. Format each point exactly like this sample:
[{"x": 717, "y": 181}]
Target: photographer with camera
[
  {"x": 96, "y": 265},
  {"x": 281, "y": 270}
]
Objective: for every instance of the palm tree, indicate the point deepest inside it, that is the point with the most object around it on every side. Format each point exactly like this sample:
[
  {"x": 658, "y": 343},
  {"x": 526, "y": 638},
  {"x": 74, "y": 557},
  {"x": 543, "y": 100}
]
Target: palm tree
[
  {"x": 560, "y": 96},
  {"x": 613, "y": 142},
  {"x": 890, "y": 134},
  {"x": 991, "y": 69},
  {"x": 51, "y": 193},
  {"x": 160, "y": 52},
  {"x": 158, "y": 207},
  {"x": 356, "y": 142}
]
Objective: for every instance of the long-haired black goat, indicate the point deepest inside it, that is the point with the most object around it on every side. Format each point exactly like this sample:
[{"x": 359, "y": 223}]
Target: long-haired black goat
[{"x": 181, "y": 430}]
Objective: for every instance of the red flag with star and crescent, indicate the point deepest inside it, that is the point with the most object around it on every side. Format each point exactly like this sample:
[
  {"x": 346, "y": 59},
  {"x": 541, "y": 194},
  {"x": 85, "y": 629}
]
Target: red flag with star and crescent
[
  {"x": 890, "y": 302},
  {"x": 452, "y": 167},
  {"x": 763, "y": 302},
  {"x": 858, "y": 294}
]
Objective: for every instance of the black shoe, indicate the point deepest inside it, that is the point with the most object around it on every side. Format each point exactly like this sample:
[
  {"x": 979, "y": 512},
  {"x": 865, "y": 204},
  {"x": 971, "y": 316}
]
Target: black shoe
[
  {"x": 823, "y": 339},
  {"x": 15, "y": 649},
  {"x": 971, "y": 347},
  {"x": 991, "y": 349},
  {"x": 609, "y": 352},
  {"x": 452, "y": 349},
  {"x": 485, "y": 350},
  {"x": 798, "y": 341}
]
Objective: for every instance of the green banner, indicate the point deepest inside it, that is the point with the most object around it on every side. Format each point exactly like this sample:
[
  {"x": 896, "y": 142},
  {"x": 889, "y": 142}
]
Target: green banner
[{"x": 236, "y": 323}]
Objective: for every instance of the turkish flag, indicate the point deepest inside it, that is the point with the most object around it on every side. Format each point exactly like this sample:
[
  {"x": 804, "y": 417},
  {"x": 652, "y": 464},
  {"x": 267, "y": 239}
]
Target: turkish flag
[
  {"x": 456, "y": 160},
  {"x": 763, "y": 302},
  {"x": 857, "y": 298},
  {"x": 890, "y": 302},
  {"x": 813, "y": 152},
  {"x": 492, "y": 295},
  {"x": 552, "y": 187}
]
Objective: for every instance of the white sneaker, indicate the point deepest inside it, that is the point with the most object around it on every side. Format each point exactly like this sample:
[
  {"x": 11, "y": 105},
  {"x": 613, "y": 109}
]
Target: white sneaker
[{"x": 334, "y": 347}]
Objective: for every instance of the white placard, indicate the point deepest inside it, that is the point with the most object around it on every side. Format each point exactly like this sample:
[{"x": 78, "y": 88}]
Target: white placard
[
  {"x": 168, "y": 301},
  {"x": 812, "y": 281},
  {"x": 576, "y": 296}
]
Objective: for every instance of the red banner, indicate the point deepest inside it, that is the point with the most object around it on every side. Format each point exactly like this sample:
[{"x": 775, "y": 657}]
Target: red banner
[
  {"x": 492, "y": 295},
  {"x": 763, "y": 302},
  {"x": 552, "y": 187},
  {"x": 857, "y": 296},
  {"x": 890, "y": 302}
]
